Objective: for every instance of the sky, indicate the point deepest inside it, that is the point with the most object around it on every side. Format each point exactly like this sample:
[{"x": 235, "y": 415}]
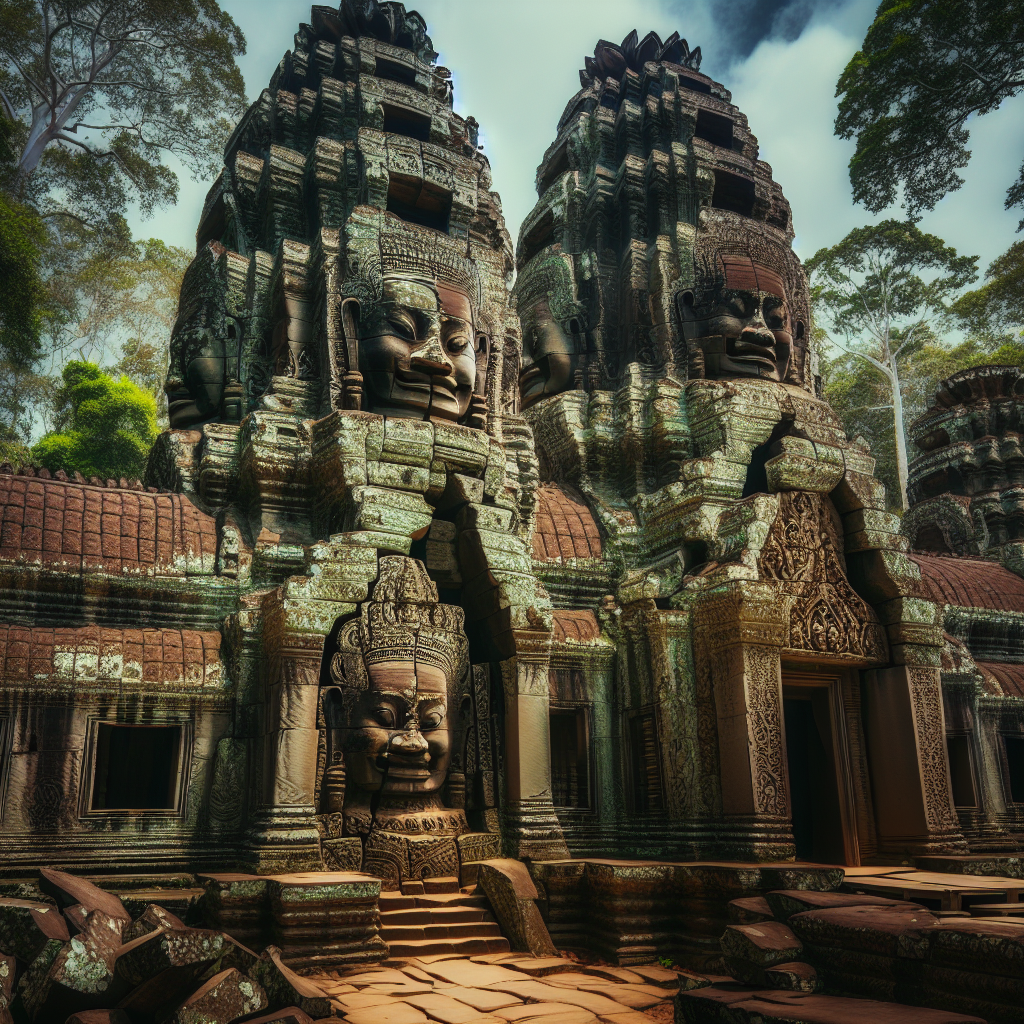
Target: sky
[{"x": 515, "y": 65}]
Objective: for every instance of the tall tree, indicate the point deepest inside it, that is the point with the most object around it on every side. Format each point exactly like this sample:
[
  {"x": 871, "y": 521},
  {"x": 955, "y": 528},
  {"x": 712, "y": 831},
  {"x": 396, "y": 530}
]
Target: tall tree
[
  {"x": 878, "y": 292},
  {"x": 106, "y": 426},
  {"x": 925, "y": 67},
  {"x": 102, "y": 90}
]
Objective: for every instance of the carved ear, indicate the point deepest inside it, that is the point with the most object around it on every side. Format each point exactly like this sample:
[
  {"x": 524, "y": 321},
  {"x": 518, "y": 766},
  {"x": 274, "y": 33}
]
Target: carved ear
[
  {"x": 483, "y": 355},
  {"x": 798, "y": 334},
  {"x": 684, "y": 304},
  {"x": 350, "y": 331}
]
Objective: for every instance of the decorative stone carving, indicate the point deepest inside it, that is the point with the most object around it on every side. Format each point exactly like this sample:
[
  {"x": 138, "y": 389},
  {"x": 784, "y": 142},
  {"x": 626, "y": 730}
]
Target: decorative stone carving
[
  {"x": 554, "y": 326},
  {"x": 400, "y": 669},
  {"x": 736, "y": 321},
  {"x": 804, "y": 551}
]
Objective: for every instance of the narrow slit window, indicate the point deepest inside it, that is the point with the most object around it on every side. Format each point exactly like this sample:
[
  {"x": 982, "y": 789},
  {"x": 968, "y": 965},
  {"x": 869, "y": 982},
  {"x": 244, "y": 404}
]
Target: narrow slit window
[{"x": 136, "y": 767}]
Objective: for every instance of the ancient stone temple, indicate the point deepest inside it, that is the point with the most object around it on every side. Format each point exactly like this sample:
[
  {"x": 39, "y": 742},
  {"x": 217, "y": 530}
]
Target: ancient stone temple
[
  {"x": 744, "y": 614},
  {"x": 547, "y": 570}
]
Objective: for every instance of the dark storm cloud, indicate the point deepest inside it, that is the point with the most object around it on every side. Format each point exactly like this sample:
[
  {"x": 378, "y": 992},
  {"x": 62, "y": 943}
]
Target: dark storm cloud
[{"x": 741, "y": 24}]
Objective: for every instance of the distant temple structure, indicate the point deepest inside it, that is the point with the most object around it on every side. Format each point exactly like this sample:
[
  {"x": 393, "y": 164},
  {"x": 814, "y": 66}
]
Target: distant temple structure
[{"x": 430, "y": 569}]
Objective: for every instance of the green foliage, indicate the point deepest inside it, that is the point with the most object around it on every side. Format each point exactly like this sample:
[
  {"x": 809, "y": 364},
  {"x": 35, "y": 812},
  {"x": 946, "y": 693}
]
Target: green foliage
[
  {"x": 102, "y": 91},
  {"x": 874, "y": 291},
  {"x": 925, "y": 67},
  {"x": 105, "y": 426},
  {"x": 999, "y": 302},
  {"x": 861, "y": 396}
]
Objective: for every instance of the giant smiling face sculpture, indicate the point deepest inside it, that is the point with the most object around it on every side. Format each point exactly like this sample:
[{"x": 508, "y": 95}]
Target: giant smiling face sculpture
[
  {"x": 742, "y": 323},
  {"x": 416, "y": 349}
]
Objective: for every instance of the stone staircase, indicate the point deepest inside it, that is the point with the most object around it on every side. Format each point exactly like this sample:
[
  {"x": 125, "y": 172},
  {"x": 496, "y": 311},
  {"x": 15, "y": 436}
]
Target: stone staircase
[{"x": 436, "y": 916}]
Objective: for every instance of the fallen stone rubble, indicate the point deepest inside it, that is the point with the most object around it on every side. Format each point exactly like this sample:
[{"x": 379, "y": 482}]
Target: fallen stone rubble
[
  {"x": 74, "y": 953},
  {"x": 833, "y": 958}
]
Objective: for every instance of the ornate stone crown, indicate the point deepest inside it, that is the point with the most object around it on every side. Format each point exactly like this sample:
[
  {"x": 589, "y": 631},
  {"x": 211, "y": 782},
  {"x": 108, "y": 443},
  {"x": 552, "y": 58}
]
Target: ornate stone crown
[{"x": 403, "y": 621}]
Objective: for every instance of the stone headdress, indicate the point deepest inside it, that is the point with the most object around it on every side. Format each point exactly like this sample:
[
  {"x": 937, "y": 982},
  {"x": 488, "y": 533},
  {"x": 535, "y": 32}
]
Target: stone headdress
[{"x": 402, "y": 621}]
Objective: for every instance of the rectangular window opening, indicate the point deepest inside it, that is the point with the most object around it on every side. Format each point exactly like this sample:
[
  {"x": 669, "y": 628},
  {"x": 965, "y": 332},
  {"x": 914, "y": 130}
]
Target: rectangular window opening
[
  {"x": 404, "y": 122},
  {"x": 395, "y": 72},
  {"x": 714, "y": 128},
  {"x": 733, "y": 193},
  {"x": 961, "y": 775},
  {"x": 419, "y": 203},
  {"x": 646, "y": 775},
  {"x": 1014, "y": 748},
  {"x": 136, "y": 767},
  {"x": 570, "y": 768}
]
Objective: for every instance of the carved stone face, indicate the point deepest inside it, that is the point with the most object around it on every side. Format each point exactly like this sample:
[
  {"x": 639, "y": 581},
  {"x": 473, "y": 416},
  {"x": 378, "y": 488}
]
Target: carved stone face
[
  {"x": 549, "y": 356},
  {"x": 399, "y": 742},
  {"x": 196, "y": 398},
  {"x": 744, "y": 328},
  {"x": 416, "y": 351}
]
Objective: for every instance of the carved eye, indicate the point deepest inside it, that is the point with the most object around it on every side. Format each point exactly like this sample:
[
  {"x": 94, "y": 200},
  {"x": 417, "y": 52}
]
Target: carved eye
[
  {"x": 432, "y": 720},
  {"x": 385, "y": 716},
  {"x": 738, "y": 307},
  {"x": 456, "y": 343},
  {"x": 402, "y": 324}
]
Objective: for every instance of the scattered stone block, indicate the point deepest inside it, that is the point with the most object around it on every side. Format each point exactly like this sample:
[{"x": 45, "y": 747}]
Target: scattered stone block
[
  {"x": 151, "y": 918},
  {"x": 83, "y": 973},
  {"x": 189, "y": 949},
  {"x": 795, "y": 977},
  {"x": 224, "y": 998},
  {"x": 989, "y": 945},
  {"x": 884, "y": 931},
  {"x": 513, "y": 897},
  {"x": 764, "y": 944},
  {"x": 30, "y": 984},
  {"x": 784, "y": 903},
  {"x": 237, "y": 904},
  {"x": 26, "y": 927},
  {"x": 286, "y": 988},
  {"x": 67, "y": 890},
  {"x": 750, "y": 910}
]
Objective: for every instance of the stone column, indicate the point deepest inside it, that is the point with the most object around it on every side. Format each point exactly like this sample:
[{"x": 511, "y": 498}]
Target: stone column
[
  {"x": 532, "y": 830},
  {"x": 738, "y": 638},
  {"x": 906, "y": 739}
]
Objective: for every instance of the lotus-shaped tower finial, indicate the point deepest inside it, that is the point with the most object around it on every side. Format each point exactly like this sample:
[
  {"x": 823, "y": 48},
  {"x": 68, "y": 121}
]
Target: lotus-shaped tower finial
[{"x": 611, "y": 60}]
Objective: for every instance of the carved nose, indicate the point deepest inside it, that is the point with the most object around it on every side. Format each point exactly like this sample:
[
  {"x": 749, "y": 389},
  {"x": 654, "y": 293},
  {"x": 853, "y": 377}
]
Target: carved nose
[
  {"x": 410, "y": 743},
  {"x": 432, "y": 358}
]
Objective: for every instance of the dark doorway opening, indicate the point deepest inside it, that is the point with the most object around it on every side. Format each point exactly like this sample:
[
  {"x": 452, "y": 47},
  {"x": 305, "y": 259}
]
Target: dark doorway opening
[
  {"x": 136, "y": 767},
  {"x": 961, "y": 772},
  {"x": 648, "y": 795},
  {"x": 819, "y": 804},
  {"x": 570, "y": 770}
]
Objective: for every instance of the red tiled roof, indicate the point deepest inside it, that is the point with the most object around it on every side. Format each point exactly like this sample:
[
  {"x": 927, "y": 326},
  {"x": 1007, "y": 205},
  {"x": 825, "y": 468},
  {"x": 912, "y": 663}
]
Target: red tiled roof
[
  {"x": 971, "y": 583},
  {"x": 565, "y": 527},
  {"x": 77, "y": 528},
  {"x": 579, "y": 625},
  {"x": 93, "y": 655},
  {"x": 1009, "y": 677}
]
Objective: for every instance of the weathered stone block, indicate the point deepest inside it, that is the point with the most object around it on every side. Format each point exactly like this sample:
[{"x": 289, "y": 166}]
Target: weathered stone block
[
  {"x": 225, "y": 997},
  {"x": 26, "y": 927}
]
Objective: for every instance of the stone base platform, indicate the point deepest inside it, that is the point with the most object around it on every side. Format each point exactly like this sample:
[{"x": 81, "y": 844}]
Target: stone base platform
[{"x": 635, "y": 912}]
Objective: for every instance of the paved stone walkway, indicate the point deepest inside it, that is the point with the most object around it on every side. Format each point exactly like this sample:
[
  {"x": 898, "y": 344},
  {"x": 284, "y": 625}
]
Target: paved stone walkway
[{"x": 499, "y": 988}]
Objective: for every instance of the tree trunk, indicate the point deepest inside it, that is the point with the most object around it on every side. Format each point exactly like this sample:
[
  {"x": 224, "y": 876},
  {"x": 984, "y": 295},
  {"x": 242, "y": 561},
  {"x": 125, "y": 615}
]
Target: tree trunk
[{"x": 901, "y": 434}]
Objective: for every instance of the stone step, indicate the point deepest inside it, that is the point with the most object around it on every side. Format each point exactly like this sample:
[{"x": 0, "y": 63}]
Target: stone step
[
  {"x": 438, "y": 930},
  {"x": 466, "y": 947},
  {"x": 434, "y": 901},
  {"x": 425, "y": 915},
  {"x": 439, "y": 885}
]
